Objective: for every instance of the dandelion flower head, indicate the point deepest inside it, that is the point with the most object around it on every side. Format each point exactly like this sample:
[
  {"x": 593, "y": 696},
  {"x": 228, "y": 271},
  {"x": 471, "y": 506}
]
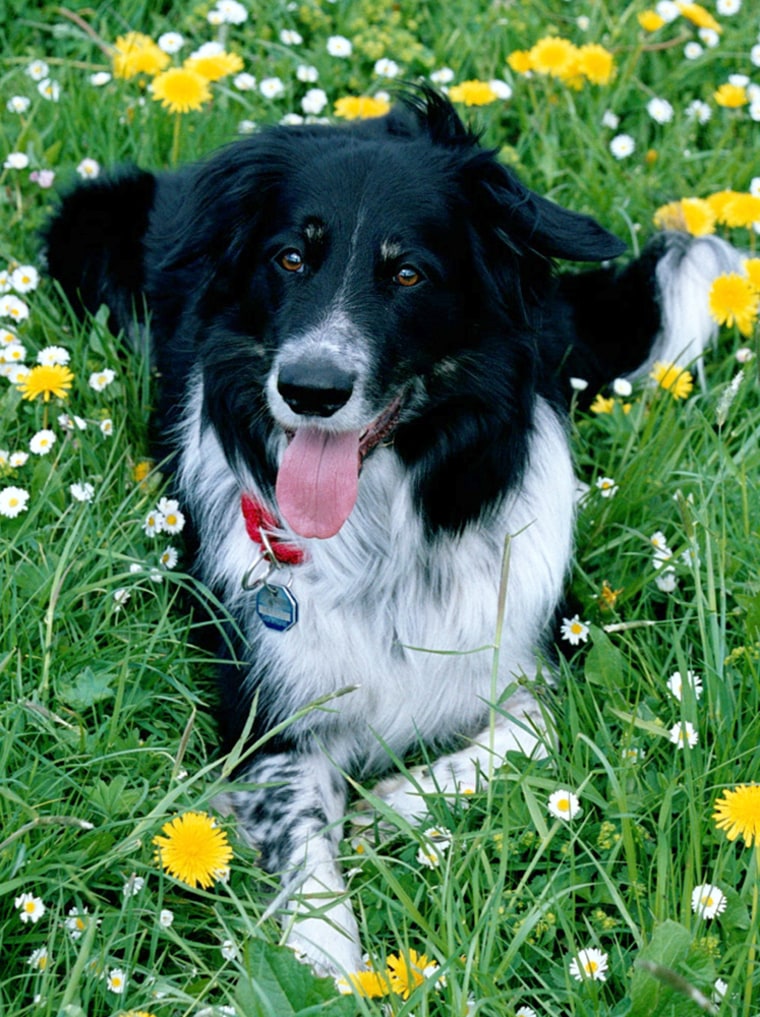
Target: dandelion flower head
[
  {"x": 674, "y": 379},
  {"x": 360, "y": 107},
  {"x": 473, "y": 93},
  {"x": 406, "y": 972},
  {"x": 193, "y": 849},
  {"x": 737, "y": 813},
  {"x": 136, "y": 53},
  {"x": 734, "y": 301},
  {"x": 181, "y": 90},
  {"x": 46, "y": 380}
]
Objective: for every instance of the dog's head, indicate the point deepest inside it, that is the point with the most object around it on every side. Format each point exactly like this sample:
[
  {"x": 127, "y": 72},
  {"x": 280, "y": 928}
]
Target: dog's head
[{"x": 339, "y": 282}]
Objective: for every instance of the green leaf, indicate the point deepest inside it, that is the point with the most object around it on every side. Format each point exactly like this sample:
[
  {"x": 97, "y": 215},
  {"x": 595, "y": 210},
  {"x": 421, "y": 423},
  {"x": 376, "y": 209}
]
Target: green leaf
[
  {"x": 277, "y": 984},
  {"x": 658, "y": 993},
  {"x": 88, "y": 688},
  {"x": 604, "y": 663}
]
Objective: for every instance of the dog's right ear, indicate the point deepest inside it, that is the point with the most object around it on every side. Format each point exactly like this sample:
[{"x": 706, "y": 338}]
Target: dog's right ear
[{"x": 94, "y": 244}]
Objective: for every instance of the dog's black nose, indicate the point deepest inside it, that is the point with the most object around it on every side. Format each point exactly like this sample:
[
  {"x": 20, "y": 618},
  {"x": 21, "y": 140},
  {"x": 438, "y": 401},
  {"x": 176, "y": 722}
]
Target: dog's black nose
[{"x": 315, "y": 388}]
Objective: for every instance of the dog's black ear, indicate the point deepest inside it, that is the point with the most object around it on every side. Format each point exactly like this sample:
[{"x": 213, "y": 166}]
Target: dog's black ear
[
  {"x": 422, "y": 110},
  {"x": 525, "y": 218},
  {"x": 94, "y": 243}
]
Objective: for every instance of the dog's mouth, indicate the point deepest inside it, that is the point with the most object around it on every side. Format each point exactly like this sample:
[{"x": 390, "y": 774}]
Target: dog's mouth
[{"x": 318, "y": 480}]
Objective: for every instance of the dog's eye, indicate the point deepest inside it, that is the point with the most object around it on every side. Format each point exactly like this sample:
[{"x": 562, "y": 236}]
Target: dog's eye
[
  {"x": 407, "y": 276},
  {"x": 291, "y": 260}
]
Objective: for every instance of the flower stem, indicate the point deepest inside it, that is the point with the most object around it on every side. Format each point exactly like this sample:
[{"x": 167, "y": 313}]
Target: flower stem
[
  {"x": 174, "y": 159},
  {"x": 752, "y": 949}
]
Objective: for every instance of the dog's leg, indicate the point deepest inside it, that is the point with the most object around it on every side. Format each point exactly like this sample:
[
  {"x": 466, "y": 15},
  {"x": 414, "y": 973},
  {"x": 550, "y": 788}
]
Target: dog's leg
[
  {"x": 521, "y": 727},
  {"x": 292, "y": 812}
]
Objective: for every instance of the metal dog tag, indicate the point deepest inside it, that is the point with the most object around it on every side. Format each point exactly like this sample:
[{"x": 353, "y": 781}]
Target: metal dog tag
[{"x": 277, "y": 607}]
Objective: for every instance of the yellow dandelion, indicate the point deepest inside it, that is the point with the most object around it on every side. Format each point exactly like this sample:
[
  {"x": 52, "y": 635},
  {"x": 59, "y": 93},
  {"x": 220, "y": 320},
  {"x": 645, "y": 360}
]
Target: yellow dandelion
[
  {"x": 215, "y": 66},
  {"x": 602, "y": 404},
  {"x": 369, "y": 984},
  {"x": 137, "y": 1013},
  {"x": 596, "y": 64},
  {"x": 135, "y": 53},
  {"x": 731, "y": 96},
  {"x": 690, "y": 215},
  {"x": 472, "y": 93},
  {"x": 650, "y": 20},
  {"x": 520, "y": 61},
  {"x": 741, "y": 210},
  {"x": 180, "y": 90},
  {"x": 718, "y": 202},
  {"x": 194, "y": 850},
  {"x": 752, "y": 268},
  {"x": 698, "y": 15},
  {"x": 607, "y": 598},
  {"x": 737, "y": 813},
  {"x": 554, "y": 56},
  {"x": 360, "y": 107},
  {"x": 407, "y": 972},
  {"x": 733, "y": 301},
  {"x": 46, "y": 380},
  {"x": 674, "y": 379}
]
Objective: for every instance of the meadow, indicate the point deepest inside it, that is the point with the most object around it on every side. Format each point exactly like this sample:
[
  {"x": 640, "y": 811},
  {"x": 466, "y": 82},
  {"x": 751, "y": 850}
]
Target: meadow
[{"x": 621, "y": 874}]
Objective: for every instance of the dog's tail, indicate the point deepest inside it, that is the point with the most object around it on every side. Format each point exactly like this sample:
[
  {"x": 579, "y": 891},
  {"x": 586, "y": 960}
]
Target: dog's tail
[
  {"x": 684, "y": 275},
  {"x": 655, "y": 308}
]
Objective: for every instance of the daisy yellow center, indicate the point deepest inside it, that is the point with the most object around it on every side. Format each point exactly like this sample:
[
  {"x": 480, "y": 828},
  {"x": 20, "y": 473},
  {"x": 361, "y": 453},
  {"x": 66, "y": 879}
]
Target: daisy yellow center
[
  {"x": 576, "y": 628},
  {"x": 591, "y": 967},
  {"x": 193, "y": 849},
  {"x": 30, "y": 907},
  {"x": 171, "y": 519},
  {"x": 563, "y": 804}
]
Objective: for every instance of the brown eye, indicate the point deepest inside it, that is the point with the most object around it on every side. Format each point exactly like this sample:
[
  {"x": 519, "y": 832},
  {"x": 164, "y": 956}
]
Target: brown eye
[
  {"x": 290, "y": 260},
  {"x": 407, "y": 276}
]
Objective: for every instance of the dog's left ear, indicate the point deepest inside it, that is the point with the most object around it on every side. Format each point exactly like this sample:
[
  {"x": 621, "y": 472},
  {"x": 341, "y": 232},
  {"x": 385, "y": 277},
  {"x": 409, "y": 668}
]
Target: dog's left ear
[{"x": 523, "y": 218}]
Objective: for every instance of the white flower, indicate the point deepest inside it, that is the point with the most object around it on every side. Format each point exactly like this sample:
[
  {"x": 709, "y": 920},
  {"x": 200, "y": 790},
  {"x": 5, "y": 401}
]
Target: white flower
[
  {"x": 88, "y": 169},
  {"x": 675, "y": 684},
  {"x": 578, "y": 384},
  {"x": 82, "y": 491},
  {"x": 246, "y": 127},
  {"x": 720, "y": 988},
  {"x": 683, "y": 735},
  {"x": 13, "y": 353},
  {"x": 622, "y": 387},
  {"x": 525, "y": 1011},
  {"x": 16, "y": 459},
  {"x": 610, "y": 119},
  {"x": 501, "y": 89},
  {"x": 232, "y": 12},
  {"x": 16, "y": 160},
  {"x": 172, "y": 520},
  {"x": 116, "y": 981},
  {"x": 709, "y": 37},
  {"x": 574, "y": 630},
  {"x": 591, "y": 964},
  {"x": 13, "y": 307},
  {"x": 622, "y": 145},
  {"x": 6, "y": 335},
  {"x": 70, "y": 423},
  {"x": 42, "y": 442},
  {"x": 659, "y": 543},
  {"x": 271, "y": 88},
  {"x": 208, "y": 49},
  {"x": 101, "y": 379},
  {"x": 436, "y": 842},
  {"x": 443, "y": 76},
  {"x": 744, "y": 354},
  {"x": 606, "y": 487},
  {"x": 314, "y": 101},
  {"x": 698, "y": 110},
  {"x": 290, "y": 37},
  {"x": 229, "y": 950},
  {"x": 728, "y": 7},
  {"x": 153, "y": 524},
  {"x": 307, "y": 73},
  {"x": 18, "y": 104},
  {"x": 171, "y": 42},
  {"x": 77, "y": 921},
  {"x": 40, "y": 958},
  {"x": 660, "y": 110},
  {"x": 52, "y": 355},
  {"x": 385, "y": 68},
  {"x": 100, "y": 78},
  {"x": 563, "y": 804},
  {"x": 707, "y": 901},
  {"x": 169, "y": 558},
  {"x": 106, "y": 427},
  {"x": 120, "y": 597},
  {"x": 668, "y": 10},
  {"x": 339, "y": 46},
  {"x": 754, "y": 55},
  {"x": 134, "y": 884},
  {"x": 165, "y": 918},
  {"x": 12, "y": 503},
  {"x": 692, "y": 50},
  {"x": 37, "y": 70},
  {"x": 666, "y": 580},
  {"x": 49, "y": 89},
  {"x": 31, "y": 908},
  {"x": 244, "y": 82}
]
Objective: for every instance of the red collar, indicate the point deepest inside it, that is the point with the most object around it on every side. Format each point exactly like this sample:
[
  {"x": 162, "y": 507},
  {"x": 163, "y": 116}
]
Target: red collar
[{"x": 261, "y": 525}]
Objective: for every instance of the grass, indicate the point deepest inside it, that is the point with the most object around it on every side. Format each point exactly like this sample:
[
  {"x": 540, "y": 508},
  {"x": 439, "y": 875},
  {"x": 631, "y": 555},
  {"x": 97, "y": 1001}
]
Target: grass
[{"x": 105, "y": 731}]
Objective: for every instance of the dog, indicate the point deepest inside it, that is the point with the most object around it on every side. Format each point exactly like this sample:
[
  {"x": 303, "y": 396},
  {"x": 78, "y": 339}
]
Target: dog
[{"x": 364, "y": 352}]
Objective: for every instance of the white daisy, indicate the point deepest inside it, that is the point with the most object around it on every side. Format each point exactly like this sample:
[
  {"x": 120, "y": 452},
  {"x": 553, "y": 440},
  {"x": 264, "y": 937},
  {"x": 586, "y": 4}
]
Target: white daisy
[
  {"x": 88, "y": 169},
  {"x": 314, "y": 101},
  {"x": 30, "y": 908},
  {"x": 271, "y": 88},
  {"x": 18, "y": 104},
  {"x": 339, "y": 46},
  {"x": 574, "y": 630},
  {"x": 683, "y": 735},
  {"x": 707, "y": 901},
  {"x": 37, "y": 70},
  {"x": 676, "y": 683},
  {"x": 116, "y": 981},
  {"x": 52, "y": 355},
  {"x": 660, "y": 110},
  {"x": 101, "y": 379},
  {"x": 42, "y": 442},
  {"x": 622, "y": 145},
  {"x": 563, "y": 804},
  {"x": 13, "y": 501},
  {"x": 591, "y": 964},
  {"x": 606, "y": 486},
  {"x": 171, "y": 42},
  {"x": 82, "y": 491}
]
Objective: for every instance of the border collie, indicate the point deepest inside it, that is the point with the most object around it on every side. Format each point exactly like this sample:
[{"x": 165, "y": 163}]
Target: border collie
[{"x": 364, "y": 352}]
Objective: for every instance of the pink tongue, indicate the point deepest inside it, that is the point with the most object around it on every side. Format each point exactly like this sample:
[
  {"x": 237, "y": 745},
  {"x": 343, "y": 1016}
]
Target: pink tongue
[{"x": 318, "y": 481}]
